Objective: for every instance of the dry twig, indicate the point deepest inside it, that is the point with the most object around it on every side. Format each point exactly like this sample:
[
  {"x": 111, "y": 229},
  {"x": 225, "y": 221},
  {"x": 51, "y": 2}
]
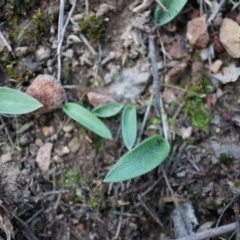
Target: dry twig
[
  {"x": 174, "y": 200},
  {"x": 216, "y": 10},
  {"x": 211, "y": 233},
  {"x": 61, "y": 32},
  {"x": 7, "y": 132},
  {"x": 151, "y": 213},
  {"x": 159, "y": 108},
  {"x": 9, "y": 48}
]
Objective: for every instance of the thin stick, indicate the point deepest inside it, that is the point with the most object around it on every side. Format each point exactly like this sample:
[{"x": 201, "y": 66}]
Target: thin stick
[
  {"x": 236, "y": 211},
  {"x": 144, "y": 5},
  {"x": 88, "y": 45},
  {"x": 9, "y": 48},
  {"x": 86, "y": 7},
  {"x": 225, "y": 209},
  {"x": 119, "y": 226},
  {"x": 61, "y": 33},
  {"x": 7, "y": 132},
  {"x": 211, "y": 233},
  {"x": 159, "y": 108},
  {"x": 216, "y": 10},
  {"x": 162, "y": 6},
  {"x": 154, "y": 70},
  {"x": 174, "y": 200},
  {"x": 145, "y": 119},
  {"x": 151, "y": 213}
]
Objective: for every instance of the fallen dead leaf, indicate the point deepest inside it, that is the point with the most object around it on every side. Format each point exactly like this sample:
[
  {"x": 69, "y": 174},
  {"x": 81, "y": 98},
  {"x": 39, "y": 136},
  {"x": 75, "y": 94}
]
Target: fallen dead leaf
[{"x": 228, "y": 74}]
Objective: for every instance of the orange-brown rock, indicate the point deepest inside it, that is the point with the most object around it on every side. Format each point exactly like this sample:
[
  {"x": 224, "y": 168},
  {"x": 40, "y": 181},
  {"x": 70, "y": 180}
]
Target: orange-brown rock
[
  {"x": 48, "y": 91},
  {"x": 197, "y": 32}
]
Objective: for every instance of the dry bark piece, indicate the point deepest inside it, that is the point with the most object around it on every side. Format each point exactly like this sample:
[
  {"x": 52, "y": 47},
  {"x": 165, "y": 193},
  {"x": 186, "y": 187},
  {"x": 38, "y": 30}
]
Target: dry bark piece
[
  {"x": 197, "y": 32},
  {"x": 230, "y": 37},
  {"x": 48, "y": 91},
  {"x": 44, "y": 156}
]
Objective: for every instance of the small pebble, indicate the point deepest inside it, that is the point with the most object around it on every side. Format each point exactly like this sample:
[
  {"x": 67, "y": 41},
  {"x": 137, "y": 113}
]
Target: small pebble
[
  {"x": 6, "y": 157},
  {"x": 39, "y": 142},
  {"x": 67, "y": 128},
  {"x": 47, "y": 131},
  {"x": 74, "y": 145},
  {"x": 216, "y": 66},
  {"x": 42, "y": 53}
]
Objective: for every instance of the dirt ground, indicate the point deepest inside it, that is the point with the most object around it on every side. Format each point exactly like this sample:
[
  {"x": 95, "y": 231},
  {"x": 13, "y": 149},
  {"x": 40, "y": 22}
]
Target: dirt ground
[{"x": 105, "y": 57}]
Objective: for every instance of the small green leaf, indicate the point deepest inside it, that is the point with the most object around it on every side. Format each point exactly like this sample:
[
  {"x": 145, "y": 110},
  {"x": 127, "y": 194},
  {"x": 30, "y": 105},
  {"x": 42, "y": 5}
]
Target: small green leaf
[
  {"x": 107, "y": 110},
  {"x": 140, "y": 160},
  {"x": 87, "y": 119},
  {"x": 129, "y": 125},
  {"x": 174, "y": 7},
  {"x": 16, "y": 102}
]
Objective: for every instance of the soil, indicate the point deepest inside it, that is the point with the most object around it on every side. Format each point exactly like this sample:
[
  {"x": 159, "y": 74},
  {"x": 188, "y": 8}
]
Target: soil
[{"x": 66, "y": 199}]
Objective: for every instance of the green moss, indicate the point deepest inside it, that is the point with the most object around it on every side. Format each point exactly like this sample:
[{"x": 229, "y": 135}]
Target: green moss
[
  {"x": 194, "y": 104},
  {"x": 226, "y": 159},
  {"x": 156, "y": 121},
  {"x": 237, "y": 184},
  {"x": 172, "y": 122},
  {"x": 40, "y": 19},
  {"x": 92, "y": 28},
  {"x": 93, "y": 202},
  {"x": 10, "y": 71},
  {"x": 69, "y": 177},
  {"x": 99, "y": 146},
  {"x": 28, "y": 31},
  {"x": 5, "y": 57}
]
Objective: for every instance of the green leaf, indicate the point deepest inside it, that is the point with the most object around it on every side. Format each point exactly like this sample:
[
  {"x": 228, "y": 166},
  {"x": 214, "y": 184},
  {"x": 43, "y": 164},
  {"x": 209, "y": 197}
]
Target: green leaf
[
  {"x": 16, "y": 102},
  {"x": 129, "y": 125},
  {"x": 140, "y": 160},
  {"x": 174, "y": 7},
  {"x": 107, "y": 110},
  {"x": 87, "y": 119}
]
